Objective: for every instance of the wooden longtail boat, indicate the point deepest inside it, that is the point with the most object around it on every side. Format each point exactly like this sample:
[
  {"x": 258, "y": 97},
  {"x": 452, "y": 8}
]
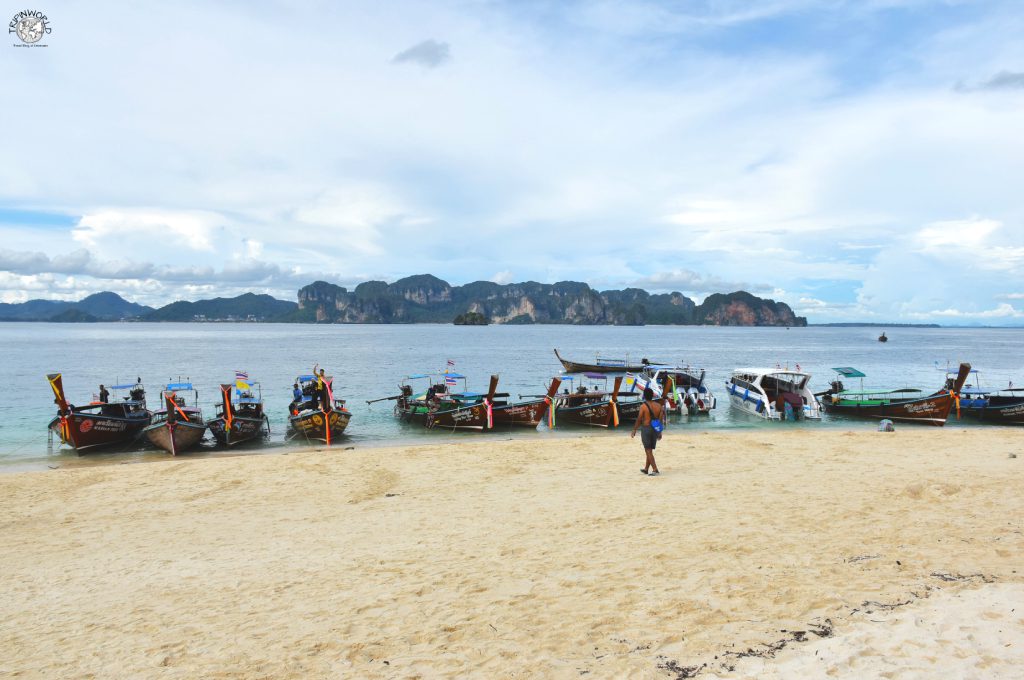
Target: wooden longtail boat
[
  {"x": 99, "y": 425},
  {"x": 991, "y": 407},
  {"x": 603, "y": 365},
  {"x": 240, "y": 416},
  {"x": 685, "y": 390},
  {"x": 439, "y": 405},
  {"x": 178, "y": 426},
  {"x": 525, "y": 413},
  {"x": 596, "y": 408},
  {"x": 459, "y": 410},
  {"x": 319, "y": 417},
  {"x": 895, "y": 405}
]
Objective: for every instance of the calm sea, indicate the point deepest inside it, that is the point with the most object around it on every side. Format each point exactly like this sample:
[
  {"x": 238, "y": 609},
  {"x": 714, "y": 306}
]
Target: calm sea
[{"x": 369, "y": 361}]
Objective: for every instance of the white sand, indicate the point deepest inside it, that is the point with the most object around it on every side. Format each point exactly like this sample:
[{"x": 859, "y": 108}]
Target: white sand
[
  {"x": 525, "y": 559},
  {"x": 967, "y": 634}
]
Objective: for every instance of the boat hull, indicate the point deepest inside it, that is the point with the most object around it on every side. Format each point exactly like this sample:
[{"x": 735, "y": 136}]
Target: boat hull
[
  {"x": 992, "y": 414},
  {"x": 319, "y": 425},
  {"x": 933, "y": 410},
  {"x": 598, "y": 414},
  {"x": 241, "y": 430},
  {"x": 464, "y": 418},
  {"x": 579, "y": 367},
  {"x": 524, "y": 414},
  {"x": 176, "y": 437},
  {"x": 87, "y": 432},
  {"x": 755, "y": 404}
]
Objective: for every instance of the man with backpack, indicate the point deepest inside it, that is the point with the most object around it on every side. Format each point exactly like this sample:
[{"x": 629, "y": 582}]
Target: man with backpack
[{"x": 650, "y": 421}]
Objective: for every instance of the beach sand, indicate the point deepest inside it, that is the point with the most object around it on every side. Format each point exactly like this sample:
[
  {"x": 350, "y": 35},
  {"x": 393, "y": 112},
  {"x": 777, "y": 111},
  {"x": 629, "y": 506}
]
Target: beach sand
[{"x": 771, "y": 553}]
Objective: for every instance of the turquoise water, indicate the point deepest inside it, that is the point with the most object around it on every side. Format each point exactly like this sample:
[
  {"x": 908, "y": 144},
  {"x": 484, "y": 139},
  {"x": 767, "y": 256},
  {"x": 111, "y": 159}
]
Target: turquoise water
[{"x": 368, "y": 361}]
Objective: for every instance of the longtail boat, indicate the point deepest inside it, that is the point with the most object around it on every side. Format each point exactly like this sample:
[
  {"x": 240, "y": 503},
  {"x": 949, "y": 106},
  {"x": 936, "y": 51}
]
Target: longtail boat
[
  {"x": 685, "y": 392},
  {"x": 98, "y": 425},
  {"x": 441, "y": 404},
  {"x": 989, "y": 406},
  {"x": 240, "y": 415},
  {"x": 596, "y": 407},
  {"x": 603, "y": 365},
  {"x": 317, "y": 415},
  {"x": 900, "y": 405},
  {"x": 178, "y": 426},
  {"x": 526, "y": 413}
]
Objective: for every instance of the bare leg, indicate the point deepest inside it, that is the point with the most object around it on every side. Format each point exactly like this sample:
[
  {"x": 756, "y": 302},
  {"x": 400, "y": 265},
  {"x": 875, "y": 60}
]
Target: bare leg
[{"x": 650, "y": 460}]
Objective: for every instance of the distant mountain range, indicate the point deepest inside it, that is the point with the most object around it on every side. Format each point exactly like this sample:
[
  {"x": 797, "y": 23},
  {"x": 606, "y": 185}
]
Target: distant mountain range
[
  {"x": 428, "y": 299},
  {"x": 97, "y": 307}
]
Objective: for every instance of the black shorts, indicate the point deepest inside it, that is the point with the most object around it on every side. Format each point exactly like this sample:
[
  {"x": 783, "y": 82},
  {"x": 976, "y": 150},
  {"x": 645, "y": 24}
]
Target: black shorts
[{"x": 649, "y": 437}]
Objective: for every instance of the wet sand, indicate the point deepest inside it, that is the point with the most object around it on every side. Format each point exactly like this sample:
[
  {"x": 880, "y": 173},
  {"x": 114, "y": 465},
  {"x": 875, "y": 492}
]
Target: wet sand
[{"x": 756, "y": 554}]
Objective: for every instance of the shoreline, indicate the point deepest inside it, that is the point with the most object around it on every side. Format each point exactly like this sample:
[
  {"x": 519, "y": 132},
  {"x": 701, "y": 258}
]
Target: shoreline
[
  {"x": 67, "y": 459},
  {"x": 504, "y": 557}
]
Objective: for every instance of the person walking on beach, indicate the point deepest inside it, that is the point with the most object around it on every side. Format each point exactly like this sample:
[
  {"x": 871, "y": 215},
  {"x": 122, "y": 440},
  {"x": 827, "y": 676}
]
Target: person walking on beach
[{"x": 650, "y": 421}]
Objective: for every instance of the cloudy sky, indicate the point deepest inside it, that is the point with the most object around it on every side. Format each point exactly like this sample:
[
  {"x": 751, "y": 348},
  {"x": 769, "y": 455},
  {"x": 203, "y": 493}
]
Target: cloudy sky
[{"x": 858, "y": 159}]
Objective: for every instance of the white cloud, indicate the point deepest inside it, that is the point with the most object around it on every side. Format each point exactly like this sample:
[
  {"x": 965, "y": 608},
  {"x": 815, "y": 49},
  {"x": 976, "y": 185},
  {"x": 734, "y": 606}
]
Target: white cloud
[
  {"x": 354, "y": 217},
  {"x": 174, "y": 229},
  {"x": 1002, "y": 311},
  {"x": 689, "y": 281}
]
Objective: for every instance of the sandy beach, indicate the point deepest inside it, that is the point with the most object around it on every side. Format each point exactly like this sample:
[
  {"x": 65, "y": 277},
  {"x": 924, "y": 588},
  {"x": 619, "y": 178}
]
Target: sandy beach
[{"x": 772, "y": 553}]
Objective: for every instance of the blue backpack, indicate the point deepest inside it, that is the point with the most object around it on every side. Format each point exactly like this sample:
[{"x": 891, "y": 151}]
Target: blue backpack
[{"x": 656, "y": 423}]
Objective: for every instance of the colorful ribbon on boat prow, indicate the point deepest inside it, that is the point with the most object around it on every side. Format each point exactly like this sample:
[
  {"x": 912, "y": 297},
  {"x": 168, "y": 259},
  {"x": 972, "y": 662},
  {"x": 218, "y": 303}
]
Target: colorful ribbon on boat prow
[
  {"x": 956, "y": 400},
  {"x": 490, "y": 414},
  {"x": 551, "y": 411},
  {"x": 228, "y": 416},
  {"x": 615, "y": 414},
  {"x": 174, "y": 402}
]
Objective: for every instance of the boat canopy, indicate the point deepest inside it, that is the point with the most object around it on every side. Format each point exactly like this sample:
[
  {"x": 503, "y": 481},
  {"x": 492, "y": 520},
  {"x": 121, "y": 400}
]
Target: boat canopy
[
  {"x": 126, "y": 386},
  {"x": 848, "y": 372},
  {"x": 171, "y": 387},
  {"x": 866, "y": 393},
  {"x": 248, "y": 400},
  {"x": 305, "y": 378},
  {"x": 596, "y": 376},
  {"x": 767, "y": 371}
]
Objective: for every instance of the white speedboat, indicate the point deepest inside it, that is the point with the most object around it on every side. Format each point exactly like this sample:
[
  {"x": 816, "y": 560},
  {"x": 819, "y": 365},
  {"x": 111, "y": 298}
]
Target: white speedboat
[
  {"x": 773, "y": 394},
  {"x": 684, "y": 387}
]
